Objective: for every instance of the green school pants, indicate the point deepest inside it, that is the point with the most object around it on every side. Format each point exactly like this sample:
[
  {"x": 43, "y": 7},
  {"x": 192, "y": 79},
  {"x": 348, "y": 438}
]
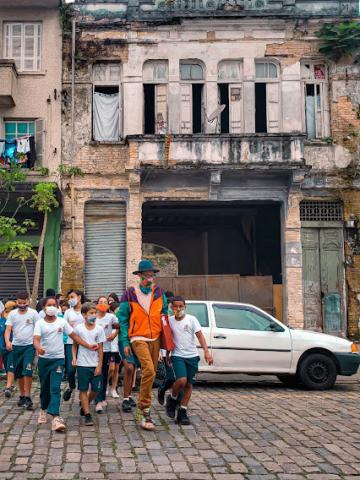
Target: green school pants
[{"x": 51, "y": 371}]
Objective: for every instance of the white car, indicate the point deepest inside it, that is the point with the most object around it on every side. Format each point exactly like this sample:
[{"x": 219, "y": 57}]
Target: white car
[{"x": 245, "y": 339}]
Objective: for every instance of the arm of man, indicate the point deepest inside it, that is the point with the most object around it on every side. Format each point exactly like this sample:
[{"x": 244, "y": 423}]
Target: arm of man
[
  {"x": 101, "y": 354},
  {"x": 202, "y": 341},
  {"x": 165, "y": 309},
  {"x": 7, "y": 338},
  {"x": 74, "y": 353},
  {"x": 123, "y": 315}
]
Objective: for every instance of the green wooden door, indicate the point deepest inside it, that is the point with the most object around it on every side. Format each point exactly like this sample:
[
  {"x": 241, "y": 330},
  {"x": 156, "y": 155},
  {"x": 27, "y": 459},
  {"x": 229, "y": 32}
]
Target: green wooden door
[{"x": 323, "y": 278}]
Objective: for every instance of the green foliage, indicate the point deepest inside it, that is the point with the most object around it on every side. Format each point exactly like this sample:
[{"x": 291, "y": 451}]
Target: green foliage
[
  {"x": 44, "y": 172},
  {"x": 44, "y": 198},
  {"x": 9, "y": 228},
  {"x": 68, "y": 171},
  {"x": 340, "y": 40},
  {"x": 10, "y": 176},
  {"x": 18, "y": 250}
]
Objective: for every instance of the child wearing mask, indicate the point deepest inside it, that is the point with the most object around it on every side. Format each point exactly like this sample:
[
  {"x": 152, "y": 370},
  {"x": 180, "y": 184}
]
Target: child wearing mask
[
  {"x": 20, "y": 323},
  {"x": 88, "y": 363},
  {"x": 73, "y": 317},
  {"x": 108, "y": 322},
  {"x": 48, "y": 342},
  {"x": 184, "y": 358},
  {"x": 5, "y": 355}
]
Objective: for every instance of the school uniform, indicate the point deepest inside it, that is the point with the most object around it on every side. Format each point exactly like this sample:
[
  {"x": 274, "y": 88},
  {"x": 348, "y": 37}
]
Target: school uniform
[
  {"x": 74, "y": 319},
  {"x": 51, "y": 365},
  {"x": 23, "y": 351},
  {"x": 107, "y": 323},
  {"x": 115, "y": 355},
  {"x": 5, "y": 354},
  {"x": 88, "y": 360}
]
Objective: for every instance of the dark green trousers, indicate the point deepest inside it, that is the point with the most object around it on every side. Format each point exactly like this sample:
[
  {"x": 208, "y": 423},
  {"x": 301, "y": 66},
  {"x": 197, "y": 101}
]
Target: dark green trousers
[{"x": 51, "y": 371}]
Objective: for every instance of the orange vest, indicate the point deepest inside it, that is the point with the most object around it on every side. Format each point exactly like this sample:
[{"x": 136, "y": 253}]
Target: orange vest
[{"x": 143, "y": 324}]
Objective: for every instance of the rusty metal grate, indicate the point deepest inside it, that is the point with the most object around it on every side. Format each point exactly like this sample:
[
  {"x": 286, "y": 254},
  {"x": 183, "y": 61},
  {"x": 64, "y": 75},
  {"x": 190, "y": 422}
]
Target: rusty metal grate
[{"x": 330, "y": 211}]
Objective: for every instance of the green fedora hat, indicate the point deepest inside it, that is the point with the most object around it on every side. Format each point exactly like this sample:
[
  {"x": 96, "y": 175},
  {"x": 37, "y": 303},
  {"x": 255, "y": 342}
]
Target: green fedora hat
[{"x": 146, "y": 266}]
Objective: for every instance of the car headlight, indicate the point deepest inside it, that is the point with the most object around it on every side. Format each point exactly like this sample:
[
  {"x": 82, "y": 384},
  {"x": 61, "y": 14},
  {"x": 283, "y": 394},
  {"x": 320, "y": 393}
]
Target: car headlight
[{"x": 355, "y": 348}]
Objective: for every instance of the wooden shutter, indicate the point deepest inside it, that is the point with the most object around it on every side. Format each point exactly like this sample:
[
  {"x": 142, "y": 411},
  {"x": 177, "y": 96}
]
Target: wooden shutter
[
  {"x": 273, "y": 107},
  {"x": 235, "y": 103},
  {"x": 186, "y": 108},
  {"x": 40, "y": 141},
  {"x": 326, "y": 110},
  {"x": 160, "y": 109}
]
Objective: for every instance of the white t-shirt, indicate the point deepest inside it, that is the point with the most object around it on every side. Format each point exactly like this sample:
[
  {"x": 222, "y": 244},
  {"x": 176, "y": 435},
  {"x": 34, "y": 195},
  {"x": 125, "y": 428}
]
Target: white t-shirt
[
  {"x": 22, "y": 326},
  {"x": 115, "y": 343},
  {"x": 184, "y": 336},
  {"x": 107, "y": 323},
  {"x": 51, "y": 336},
  {"x": 74, "y": 318},
  {"x": 86, "y": 357}
]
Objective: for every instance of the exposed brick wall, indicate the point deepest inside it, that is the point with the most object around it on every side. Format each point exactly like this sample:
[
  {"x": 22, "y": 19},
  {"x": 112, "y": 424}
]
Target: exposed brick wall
[
  {"x": 103, "y": 159},
  {"x": 292, "y": 51},
  {"x": 345, "y": 123}
]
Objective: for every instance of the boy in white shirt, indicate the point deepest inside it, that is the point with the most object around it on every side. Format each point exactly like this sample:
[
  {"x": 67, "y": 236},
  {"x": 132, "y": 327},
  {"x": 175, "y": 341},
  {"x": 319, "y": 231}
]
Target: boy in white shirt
[
  {"x": 88, "y": 363},
  {"x": 49, "y": 344},
  {"x": 21, "y": 323},
  {"x": 184, "y": 358}
]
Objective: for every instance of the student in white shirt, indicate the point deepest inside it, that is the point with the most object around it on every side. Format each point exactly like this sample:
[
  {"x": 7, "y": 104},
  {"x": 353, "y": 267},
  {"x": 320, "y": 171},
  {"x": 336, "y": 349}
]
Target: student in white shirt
[
  {"x": 184, "y": 358},
  {"x": 21, "y": 323},
  {"x": 73, "y": 317},
  {"x": 48, "y": 342},
  {"x": 108, "y": 322},
  {"x": 88, "y": 363}
]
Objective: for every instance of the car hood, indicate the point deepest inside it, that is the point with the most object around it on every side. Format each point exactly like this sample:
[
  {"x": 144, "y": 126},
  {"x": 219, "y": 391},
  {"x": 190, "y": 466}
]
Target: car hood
[{"x": 305, "y": 339}]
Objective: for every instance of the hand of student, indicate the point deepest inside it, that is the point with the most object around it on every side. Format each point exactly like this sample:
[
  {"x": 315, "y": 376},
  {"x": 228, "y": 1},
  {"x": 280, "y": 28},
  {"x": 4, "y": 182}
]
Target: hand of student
[
  {"x": 73, "y": 362},
  {"x": 208, "y": 358},
  {"x": 97, "y": 371},
  {"x": 9, "y": 346},
  {"x": 160, "y": 359},
  {"x": 94, "y": 347},
  {"x": 168, "y": 362},
  {"x": 127, "y": 351},
  {"x": 40, "y": 351}
]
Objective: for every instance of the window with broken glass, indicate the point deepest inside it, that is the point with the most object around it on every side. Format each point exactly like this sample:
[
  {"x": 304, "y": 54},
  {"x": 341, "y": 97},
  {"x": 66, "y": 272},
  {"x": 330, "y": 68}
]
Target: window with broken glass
[
  {"x": 192, "y": 96},
  {"x": 107, "y": 102},
  {"x": 316, "y": 103},
  {"x": 230, "y": 96},
  {"x": 155, "y": 81}
]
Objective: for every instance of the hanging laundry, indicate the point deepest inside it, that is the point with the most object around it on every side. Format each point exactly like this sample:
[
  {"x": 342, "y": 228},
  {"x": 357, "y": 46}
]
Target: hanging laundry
[
  {"x": 10, "y": 151},
  {"x": 32, "y": 154},
  {"x": 23, "y": 145},
  {"x": 2, "y": 147}
]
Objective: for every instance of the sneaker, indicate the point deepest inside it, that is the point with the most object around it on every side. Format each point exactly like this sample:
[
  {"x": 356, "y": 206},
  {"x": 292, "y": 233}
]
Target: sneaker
[
  {"x": 114, "y": 394},
  {"x": 82, "y": 413},
  {"x": 132, "y": 402},
  {"x": 13, "y": 388},
  {"x": 67, "y": 394},
  {"x": 161, "y": 396},
  {"x": 88, "y": 420},
  {"x": 182, "y": 417},
  {"x": 98, "y": 408},
  {"x": 21, "y": 401},
  {"x": 171, "y": 405},
  {"x": 144, "y": 419},
  {"x": 126, "y": 405},
  {"x": 42, "y": 418},
  {"x": 58, "y": 425},
  {"x": 7, "y": 392},
  {"x": 28, "y": 404},
  {"x": 104, "y": 404}
]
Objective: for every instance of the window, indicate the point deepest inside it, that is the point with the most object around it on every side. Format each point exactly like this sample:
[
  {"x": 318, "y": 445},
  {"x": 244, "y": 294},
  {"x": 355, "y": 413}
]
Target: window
[
  {"x": 192, "y": 97},
  {"x": 22, "y": 43},
  {"x": 267, "y": 98},
  {"x": 230, "y": 95},
  {"x": 314, "y": 77},
  {"x": 15, "y": 129},
  {"x": 155, "y": 78},
  {"x": 232, "y": 317},
  {"x": 106, "y": 101},
  {"x": 317, "y": 211},
  {"x": 199, "y": 310}
]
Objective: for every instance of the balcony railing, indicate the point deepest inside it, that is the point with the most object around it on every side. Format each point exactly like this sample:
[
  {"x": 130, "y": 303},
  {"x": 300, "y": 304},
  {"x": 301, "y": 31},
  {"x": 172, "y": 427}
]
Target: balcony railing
[
  {"x": 282, "y": 150},
  {"x": 8, "y": 83}
]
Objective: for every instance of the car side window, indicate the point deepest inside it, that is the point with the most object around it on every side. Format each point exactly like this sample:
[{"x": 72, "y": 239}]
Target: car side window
[
  {"x": 238, "y": 318},
  {"x": 198, "y": 310}
]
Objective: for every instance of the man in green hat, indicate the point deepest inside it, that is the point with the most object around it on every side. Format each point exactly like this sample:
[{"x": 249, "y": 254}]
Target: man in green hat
[{"x": 139, "y": 315}]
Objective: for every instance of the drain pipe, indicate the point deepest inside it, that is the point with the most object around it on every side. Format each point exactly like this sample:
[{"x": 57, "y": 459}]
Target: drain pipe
[{"x": 72, "y": 188}]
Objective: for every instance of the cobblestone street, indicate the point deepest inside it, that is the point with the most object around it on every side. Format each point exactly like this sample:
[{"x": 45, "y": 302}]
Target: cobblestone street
[{"x": 241, "y": 430}]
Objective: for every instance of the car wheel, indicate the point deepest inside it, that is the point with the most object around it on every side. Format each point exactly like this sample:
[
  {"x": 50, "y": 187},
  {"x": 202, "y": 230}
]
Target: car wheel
[
  {"x": 317, "y": 372},
  {"x": 289, "y": 381}
]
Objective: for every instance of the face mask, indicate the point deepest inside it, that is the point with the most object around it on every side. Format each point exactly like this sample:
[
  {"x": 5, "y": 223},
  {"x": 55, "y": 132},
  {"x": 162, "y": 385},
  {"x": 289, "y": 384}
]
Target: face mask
[
  {"x": 51, "y": 311},
  {"x": 73, "y": 302},
  {"x": 91, "y": 320},
  {"x": 180, "y": 313},
  {"x": 146, "y": 282},
  {"x": 103, "y": 308},
  {"x": 22, "y": 307}
]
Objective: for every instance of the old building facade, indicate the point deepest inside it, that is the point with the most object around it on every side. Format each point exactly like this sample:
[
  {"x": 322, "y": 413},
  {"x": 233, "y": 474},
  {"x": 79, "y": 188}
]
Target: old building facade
[
  {"x": 30, "y": 124},
  {"x": 215, "y": 138}
]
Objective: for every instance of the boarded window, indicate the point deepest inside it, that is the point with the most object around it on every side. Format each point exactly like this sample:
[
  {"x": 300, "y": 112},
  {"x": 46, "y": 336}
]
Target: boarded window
[{"x": 105, "y": 248}]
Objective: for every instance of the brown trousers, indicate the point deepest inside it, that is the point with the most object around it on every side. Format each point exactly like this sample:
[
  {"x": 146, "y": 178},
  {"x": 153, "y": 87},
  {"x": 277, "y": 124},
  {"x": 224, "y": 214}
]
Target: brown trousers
[{"x": 148, "y": 356}]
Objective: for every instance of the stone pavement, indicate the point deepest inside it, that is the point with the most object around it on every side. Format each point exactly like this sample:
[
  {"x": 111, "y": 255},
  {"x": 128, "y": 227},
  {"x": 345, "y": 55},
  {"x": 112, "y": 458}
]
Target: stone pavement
[{"x": 241, "y": 430}]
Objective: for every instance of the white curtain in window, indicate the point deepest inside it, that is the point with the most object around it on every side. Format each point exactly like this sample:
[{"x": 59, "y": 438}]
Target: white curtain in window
[{"x": 106, "y": 117}]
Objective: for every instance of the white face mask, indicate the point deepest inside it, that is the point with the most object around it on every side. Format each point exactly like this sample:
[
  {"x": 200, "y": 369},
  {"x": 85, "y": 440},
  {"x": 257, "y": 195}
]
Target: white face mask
[
  {"x": 51, "y": 311},
  {"x": 73, "y": 302}
]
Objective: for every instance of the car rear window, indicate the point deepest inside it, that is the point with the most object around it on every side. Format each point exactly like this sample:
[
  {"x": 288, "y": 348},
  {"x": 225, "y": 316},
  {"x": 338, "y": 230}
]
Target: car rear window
[{"x": 199, "y": 310}]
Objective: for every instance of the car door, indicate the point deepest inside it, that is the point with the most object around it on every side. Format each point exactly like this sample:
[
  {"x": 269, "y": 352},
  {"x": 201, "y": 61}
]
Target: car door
[
  {"x": 246, "y": 339},
  {"x": 201, "y": 312}
]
